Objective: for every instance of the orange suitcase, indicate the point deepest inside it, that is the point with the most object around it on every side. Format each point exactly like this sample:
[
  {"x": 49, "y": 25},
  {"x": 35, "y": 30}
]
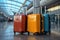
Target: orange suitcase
[
  {"x": 20, "y": 23},
  {"x": 34, "y": 23}
]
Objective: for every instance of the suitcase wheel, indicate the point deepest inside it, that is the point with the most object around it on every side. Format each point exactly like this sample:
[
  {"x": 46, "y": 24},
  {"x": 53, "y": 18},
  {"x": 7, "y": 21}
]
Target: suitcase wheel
[
  {"x": 28, "y": 33},
  {"x": 21, "y": 33},
  {"x": 47, "y": 33},
  {"x": 37, "y": 33},
  {"x": 14, "y": 32},
  {"x": 42, "y": 33}
]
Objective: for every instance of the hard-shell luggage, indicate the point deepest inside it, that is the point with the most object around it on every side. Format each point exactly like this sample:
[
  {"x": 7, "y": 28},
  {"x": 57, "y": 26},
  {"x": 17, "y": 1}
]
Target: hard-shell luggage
[
  {"x": 20, "y": 23},
  {"x": 34, "y": 23},
  {"x": 46, "y": 23},
  {"x": 42, "y": 23}
]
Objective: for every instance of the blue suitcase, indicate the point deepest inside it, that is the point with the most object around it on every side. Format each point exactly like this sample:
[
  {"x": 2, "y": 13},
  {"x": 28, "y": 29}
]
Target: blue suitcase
[{"x": 46, "y": 24}]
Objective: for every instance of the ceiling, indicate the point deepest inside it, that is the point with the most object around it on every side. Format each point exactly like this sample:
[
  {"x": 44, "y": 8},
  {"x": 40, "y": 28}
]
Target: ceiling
[{"x": 10, "y": 6}]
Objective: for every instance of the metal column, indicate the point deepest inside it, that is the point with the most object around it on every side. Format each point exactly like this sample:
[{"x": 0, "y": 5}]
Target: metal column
[
  {"x": 36, "y": 6},
  {"x": 25, "y": 10},
  {"x": 58, "y": 23},
  {"x": 45, "y": 9},
  {"x": 55, "y": 23},
  {"x": 41, "y": 10}
]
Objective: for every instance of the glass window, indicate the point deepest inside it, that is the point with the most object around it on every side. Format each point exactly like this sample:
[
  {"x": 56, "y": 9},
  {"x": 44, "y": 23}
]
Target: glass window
[
  {"x": 30, "y": 0},
  {"x": 13, "y": 5},
  {"x": 27, "y": 3},
  {"x": 22, "y": 1}
]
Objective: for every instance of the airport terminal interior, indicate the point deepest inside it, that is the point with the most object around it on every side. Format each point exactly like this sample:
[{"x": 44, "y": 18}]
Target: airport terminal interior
[{"x": 29, "y": 19}]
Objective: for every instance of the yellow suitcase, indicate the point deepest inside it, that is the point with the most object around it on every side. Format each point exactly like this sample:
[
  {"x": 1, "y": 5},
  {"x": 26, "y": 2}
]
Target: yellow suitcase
[{"x": 34, "y": 23}]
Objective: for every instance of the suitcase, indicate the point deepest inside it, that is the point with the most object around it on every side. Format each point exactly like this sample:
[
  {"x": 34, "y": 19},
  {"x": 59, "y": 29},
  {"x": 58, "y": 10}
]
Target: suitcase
[
  {"x": 42, "y": 23},
  {"x": 46, "y": 24},
  {"x": 34, "y": 23},
  {"x": 20, "y": 23}
]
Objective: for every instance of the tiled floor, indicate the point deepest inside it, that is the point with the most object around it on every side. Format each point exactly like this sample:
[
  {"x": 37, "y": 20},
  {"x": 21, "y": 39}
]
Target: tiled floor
[{"x": 6, "y": 33}]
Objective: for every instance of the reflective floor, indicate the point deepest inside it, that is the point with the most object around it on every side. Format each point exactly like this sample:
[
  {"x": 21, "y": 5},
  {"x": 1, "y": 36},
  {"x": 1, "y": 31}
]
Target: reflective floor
[{"x": 6, "y": 33}]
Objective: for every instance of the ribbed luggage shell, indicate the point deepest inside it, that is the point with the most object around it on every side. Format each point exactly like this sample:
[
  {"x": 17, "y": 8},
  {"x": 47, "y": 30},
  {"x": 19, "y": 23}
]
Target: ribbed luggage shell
[
  {"x": 34, "y": 23},
  {"x": 20, "y": 23},
  {"x": 46, "y": 23}
]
